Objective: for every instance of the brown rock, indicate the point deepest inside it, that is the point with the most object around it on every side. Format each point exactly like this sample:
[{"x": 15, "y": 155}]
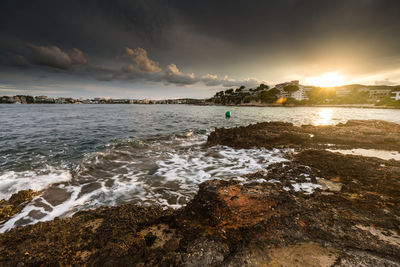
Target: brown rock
[{"x": 15, "y": 204}]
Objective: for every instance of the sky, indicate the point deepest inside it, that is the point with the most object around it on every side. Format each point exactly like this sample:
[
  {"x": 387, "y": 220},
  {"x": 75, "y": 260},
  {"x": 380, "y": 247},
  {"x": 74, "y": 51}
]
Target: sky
[{"x": 162, "y": 49}]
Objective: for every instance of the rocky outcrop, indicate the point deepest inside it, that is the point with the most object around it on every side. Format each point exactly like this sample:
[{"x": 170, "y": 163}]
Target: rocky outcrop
[
  {"x": 353, "y": 134},
  {"x": 318, "y": 209},
  {"x": 235, "y": 223}
]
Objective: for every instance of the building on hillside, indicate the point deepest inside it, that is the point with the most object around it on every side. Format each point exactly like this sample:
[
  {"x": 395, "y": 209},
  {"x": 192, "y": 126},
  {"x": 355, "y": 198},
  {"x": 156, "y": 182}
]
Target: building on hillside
[
  {"x": 281, "y": 87},
  {"x": 40, "y": 98},
  {"x": 396, "y": 95},
  {"x": 299, "y": 95},
  {"x": 341, "y": 92},
  {"x": 379, "y": 94}
]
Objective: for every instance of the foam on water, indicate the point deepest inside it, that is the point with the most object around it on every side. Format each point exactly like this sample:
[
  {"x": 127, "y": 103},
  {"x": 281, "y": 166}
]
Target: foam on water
[
  {"x": 307, "y": 188},
  {"x": 165, "y": 172},
  {"x": 11, "y": 182}
]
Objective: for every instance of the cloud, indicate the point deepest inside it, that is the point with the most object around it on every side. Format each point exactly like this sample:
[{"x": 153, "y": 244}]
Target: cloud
[
  {"x": 213, "y": 80},
  {"x": 14, "y": 60},
  {"x": 53, "y": 56},
  {"x": 210, "y": 80},
  {"x": 174, "y": 75},
  {"x": 140, "y": 69},
  {"x": 249, "y": 82},
  {"x": 77, "y": 57},
  {"x": 385, "y": 82},
  {"x": 128, "y": 68},
  {"x": 101, "y": 72},
  {"x": 140, "y": 58}
]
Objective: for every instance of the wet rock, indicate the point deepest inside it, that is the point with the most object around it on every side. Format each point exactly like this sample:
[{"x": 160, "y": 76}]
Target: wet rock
[
  {"x": 55, "y": 195},
  {"x": 356, "y": 258},
  {"x": 204, "y": 252},
  {"x": 15, "y": 204},
  {"x": 149, "y": 239},
  {"x": 329, "y": 185},
  {"x": 305, "y": 254},
  {"x": 353, "y": 134},
  {"x": 229, "y": 205},
  {"x": 227, "y": 223}
]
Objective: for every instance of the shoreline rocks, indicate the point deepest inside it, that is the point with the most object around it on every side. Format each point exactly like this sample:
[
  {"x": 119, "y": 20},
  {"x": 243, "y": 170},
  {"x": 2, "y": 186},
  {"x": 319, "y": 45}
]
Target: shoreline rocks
[
  {"x": 318, "y": 209},
  {"x": 369, "y": 134},
  {"x": 15, "y": 204}
]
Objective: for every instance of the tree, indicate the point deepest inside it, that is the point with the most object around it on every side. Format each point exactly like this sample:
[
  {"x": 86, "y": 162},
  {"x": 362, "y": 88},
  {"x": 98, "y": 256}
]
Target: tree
[
  {"x": 219, "y": 94},
  {"x": 229, "y": 91},
  {"x": 318, "y": 95},
  {"x": 291, "y": 88},
  {"x": 269, "y": 96},
  {"x": 30, "y": 99},
  {"x": 247, "y": 99},
  {"x": 263, "y": 87},
  {"x": 354, "y": 97}
]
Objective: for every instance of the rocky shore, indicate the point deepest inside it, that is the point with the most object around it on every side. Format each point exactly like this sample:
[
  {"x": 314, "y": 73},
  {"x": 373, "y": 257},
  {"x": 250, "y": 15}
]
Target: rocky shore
[{"x": 320, "y": 208}]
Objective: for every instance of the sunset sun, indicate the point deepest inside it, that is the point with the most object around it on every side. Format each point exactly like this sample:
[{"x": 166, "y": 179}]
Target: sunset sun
[{"x": 329, "y": 79}]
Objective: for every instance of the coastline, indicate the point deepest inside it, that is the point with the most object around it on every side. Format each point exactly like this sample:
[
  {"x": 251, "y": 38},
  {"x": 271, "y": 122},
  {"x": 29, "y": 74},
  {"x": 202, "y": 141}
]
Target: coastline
[
  {"x": 370, "y": 106},
  {"x": 366, "y": 106},
  {"x": 326, "y": 208}
]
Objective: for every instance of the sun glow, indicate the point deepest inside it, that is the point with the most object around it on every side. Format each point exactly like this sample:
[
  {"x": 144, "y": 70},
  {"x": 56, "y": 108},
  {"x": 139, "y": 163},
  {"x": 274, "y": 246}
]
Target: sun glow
[
  {"x": 324, "y": 117},
  {"x": 329, "y": 79}
]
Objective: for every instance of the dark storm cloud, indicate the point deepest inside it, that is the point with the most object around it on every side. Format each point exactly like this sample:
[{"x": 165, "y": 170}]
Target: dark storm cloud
[
  {"x": 165, "y": 25},
  {"x": 14, "y": 60},
  {"x": 189, "y": 42},
  {"x": 51, "y": 56},
  {"x": 252, "y": 22},
  {"x": 77, "y": 57},
  {"x": 142, "y": 68}
]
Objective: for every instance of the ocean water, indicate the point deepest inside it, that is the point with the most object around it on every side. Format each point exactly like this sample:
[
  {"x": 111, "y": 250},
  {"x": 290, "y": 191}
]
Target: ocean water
[{"x": 85, "y": 156}]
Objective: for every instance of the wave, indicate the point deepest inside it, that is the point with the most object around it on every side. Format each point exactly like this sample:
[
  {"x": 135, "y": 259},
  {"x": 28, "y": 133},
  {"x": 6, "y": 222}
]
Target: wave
[
  {"x": 11, "y": 182},
  {"x": 164, "y": 171}
]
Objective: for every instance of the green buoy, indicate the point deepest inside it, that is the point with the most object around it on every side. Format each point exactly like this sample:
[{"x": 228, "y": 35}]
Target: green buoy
[{"x": 228, "y": 114}]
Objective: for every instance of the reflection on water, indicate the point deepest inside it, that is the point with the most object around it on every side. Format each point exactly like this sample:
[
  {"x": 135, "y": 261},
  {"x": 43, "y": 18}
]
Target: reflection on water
[
  {"x": 382, "y": 154},
  {"x": 324, "y": 117}
]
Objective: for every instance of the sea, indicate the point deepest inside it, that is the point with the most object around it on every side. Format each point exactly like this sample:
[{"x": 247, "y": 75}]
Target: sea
[{"x": 80, "y": 157}]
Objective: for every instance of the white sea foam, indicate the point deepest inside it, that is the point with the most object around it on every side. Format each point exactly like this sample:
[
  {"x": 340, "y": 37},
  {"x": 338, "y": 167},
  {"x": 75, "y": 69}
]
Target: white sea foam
[
  {"x": 163, "y": 172},
  {"x": 11, "y": 182},
  {"x": 307, "y": 188}
]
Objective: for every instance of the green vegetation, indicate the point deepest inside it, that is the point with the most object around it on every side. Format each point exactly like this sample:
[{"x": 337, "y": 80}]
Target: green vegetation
[
  {"x": 318, "y": 95},
  {"x": 388, "y": 102},
  {"x": 269, "y": 96},
  {"x": 242, "y": 96},
  {"x": 351, "y": 94},
  {"x": 291, "y": 88}
]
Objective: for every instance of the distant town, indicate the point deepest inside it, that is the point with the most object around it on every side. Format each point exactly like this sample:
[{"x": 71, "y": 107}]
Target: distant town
[
  {"x": 289, "y": 93},
  {"x": 26, "y": 99}
]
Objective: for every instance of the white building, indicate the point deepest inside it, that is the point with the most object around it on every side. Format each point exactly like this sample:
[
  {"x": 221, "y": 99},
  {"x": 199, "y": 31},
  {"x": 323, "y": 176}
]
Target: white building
[
  {"x": 299, "y": 95},
  {"x": 396, "y": 95}
]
